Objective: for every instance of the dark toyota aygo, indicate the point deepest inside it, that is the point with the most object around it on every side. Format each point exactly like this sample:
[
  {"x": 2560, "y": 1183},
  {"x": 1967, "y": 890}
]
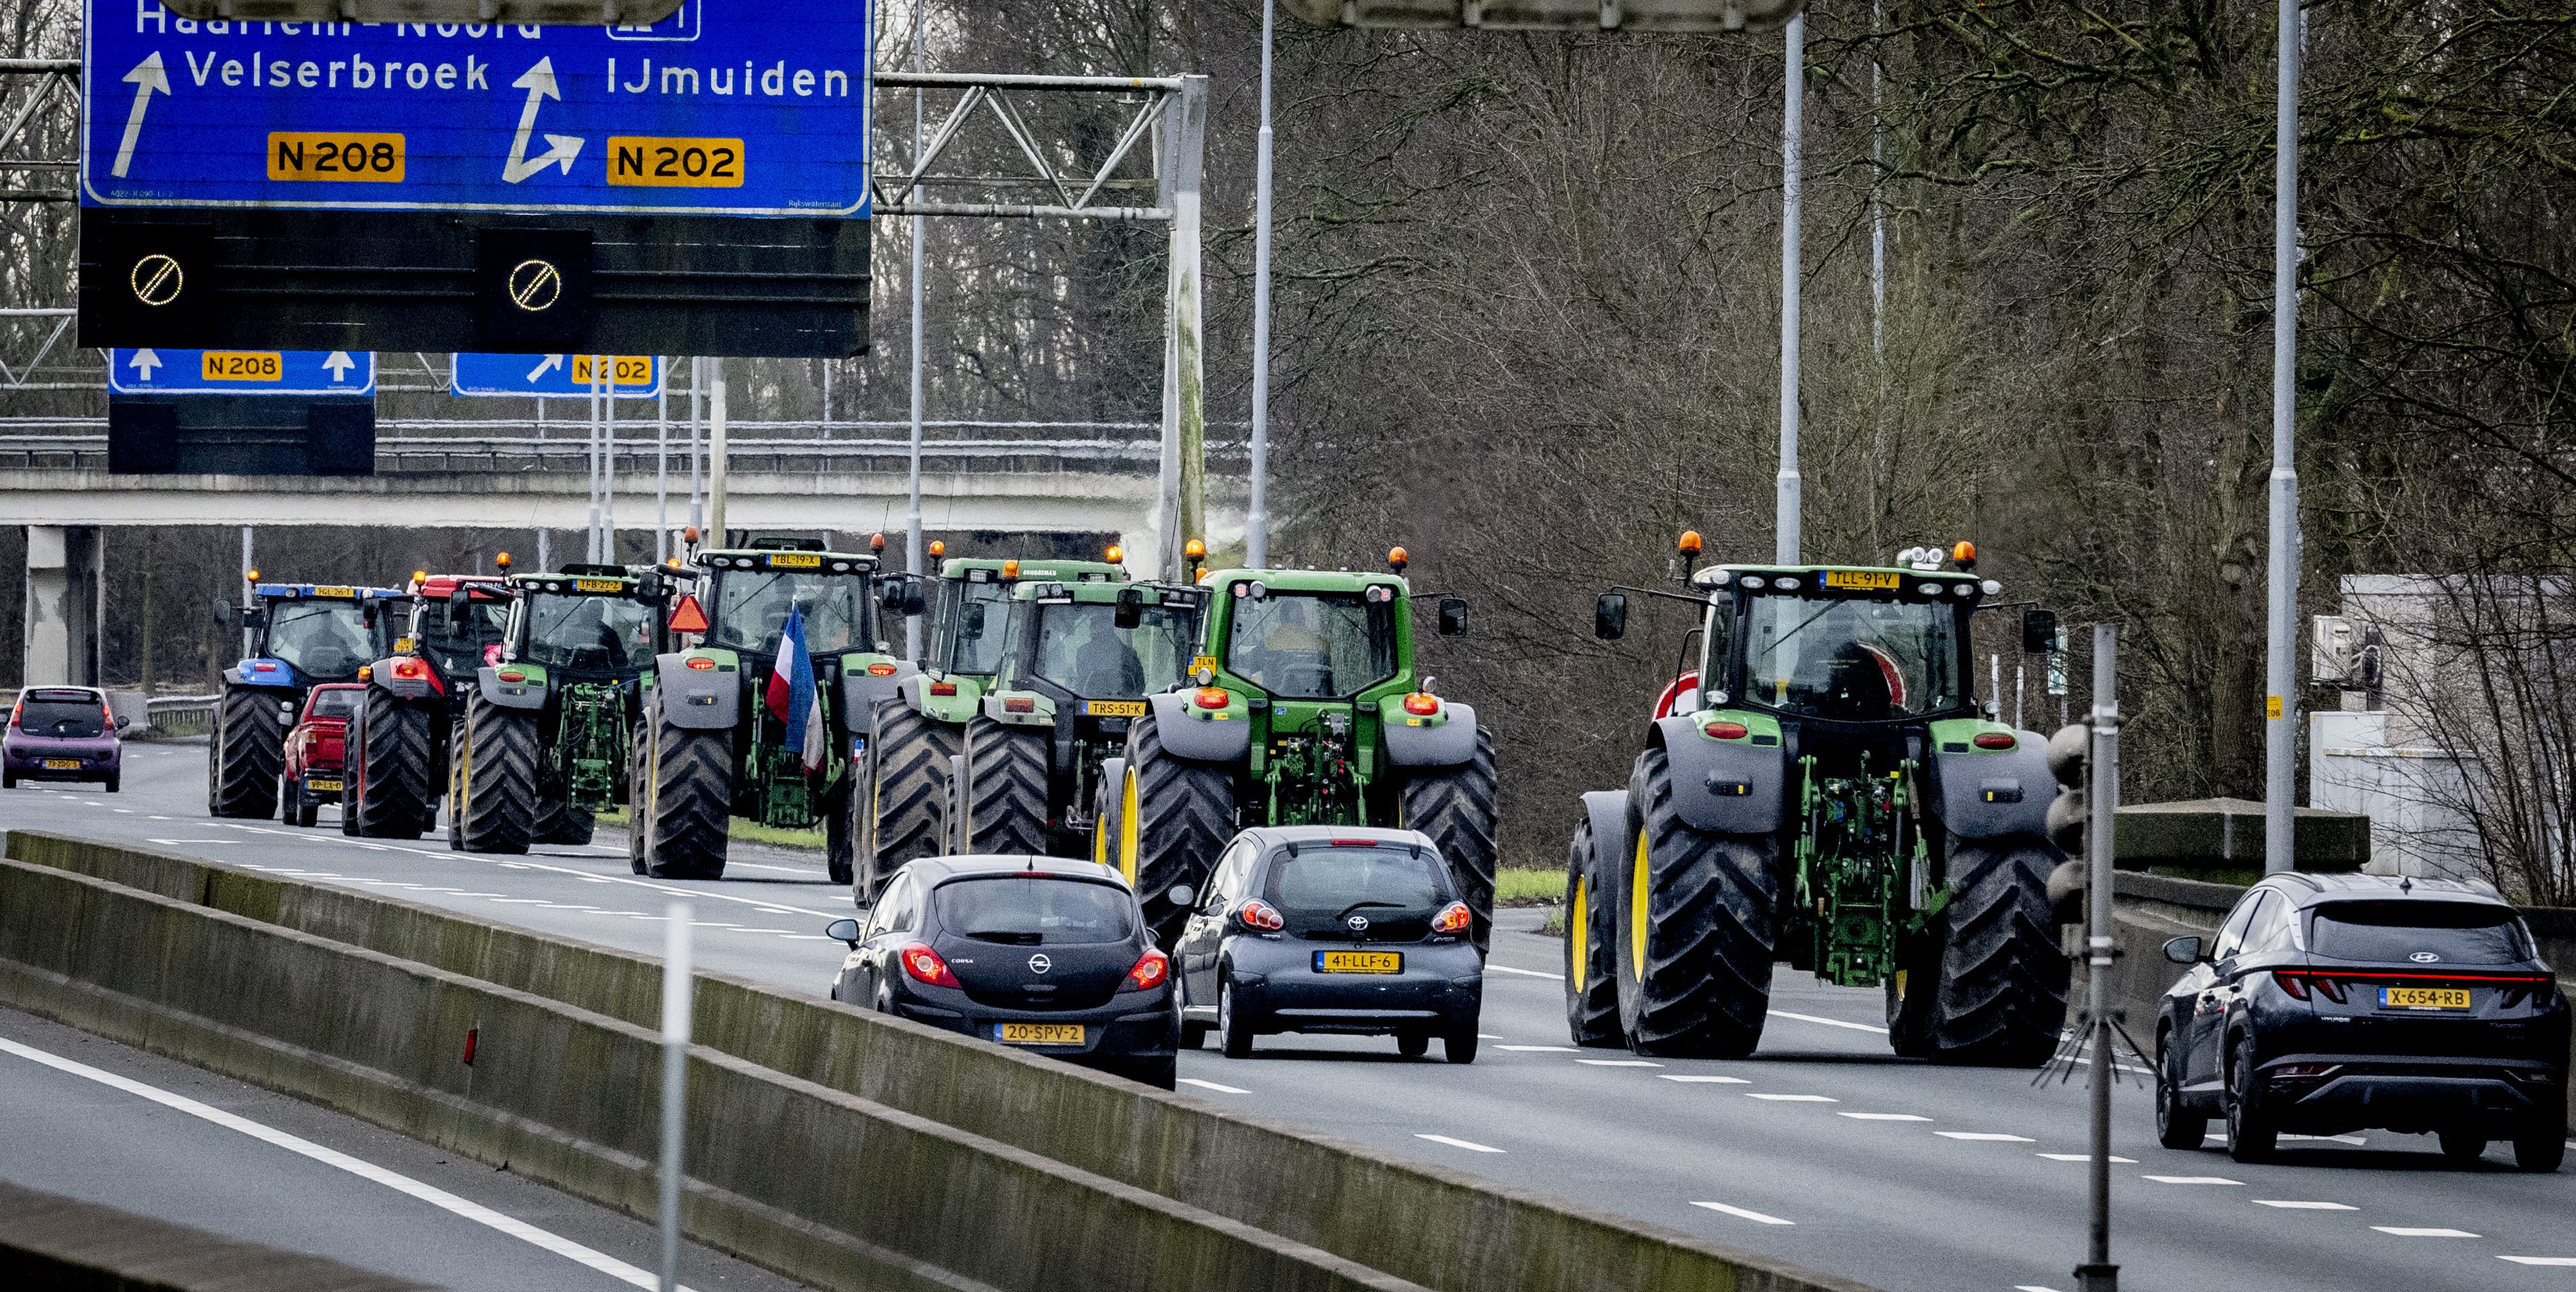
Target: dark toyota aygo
[
  {"x": 2335, "y": 1003},
  {"x": 1041, "y": 952}
]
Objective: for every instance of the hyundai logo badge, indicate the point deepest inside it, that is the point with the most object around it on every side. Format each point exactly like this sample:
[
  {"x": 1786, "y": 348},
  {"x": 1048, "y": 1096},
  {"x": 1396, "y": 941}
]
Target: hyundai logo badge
[
  {"x": 1358, "y": 923},
  {"x": 2424, "y": 957},
  {"x": 1039, "y": 963}
]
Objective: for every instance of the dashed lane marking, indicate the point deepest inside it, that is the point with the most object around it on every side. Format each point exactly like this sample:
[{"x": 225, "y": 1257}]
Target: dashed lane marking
[
  {"x": 1218, "y": 1087},
  {"x": 2539, "y": 1260},
  {"x": 1525, "y": 973},
  {"x": 1792, "y": 1099},
  {"x": 2084, "y": 1157},
  {"x": 1828, "y": 1022},
  {"x": 2411, "y": 1231},
  {"x": 1884, "y": 1117},
  {"x": 175, "y": 842},
  {"x": 1995, "y": 1137},
  {"x": 2293, "y": 1204},
  {"x": 2191, "y": 1179},
  {"x": 1741, "y": 1213},
  {"x": 1618, "y": 1063},
  {"x": 1699, "y": 1078},
  {"x": 2031, "y": 1287},
  {"x": 1487, "y": 1036},
  {"x": 1540, "y": 1049},
  {"x": 431, "y": 1194},
  {"x": 1467, "y": 1144}
]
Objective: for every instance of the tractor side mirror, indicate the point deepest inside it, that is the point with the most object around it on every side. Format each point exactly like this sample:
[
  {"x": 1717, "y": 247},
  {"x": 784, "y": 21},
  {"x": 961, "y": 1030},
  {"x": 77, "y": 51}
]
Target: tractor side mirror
[
  {"x": 2184, "y": 950},
  {"x": 1180, "y": 896},
  {"x": 1453, "y": 616},
  {"x": 223, "y": 613},
  {"x": 460, "y": 614},
  {"x": 2038, "y": 632},
  {"x": 650, "y": 589},
  {"x": 1131, "y": 608},
  {"x": 843, "y": 930},
  {"x": 970, "y": 622},
  {"x": 1610, "y": 616},
  {"x": 367, "y": 614}
]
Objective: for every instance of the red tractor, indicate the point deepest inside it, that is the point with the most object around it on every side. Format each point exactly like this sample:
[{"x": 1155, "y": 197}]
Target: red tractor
[
  {"x": 398, "y": 739},
  {"x": 314, "y": 750}
]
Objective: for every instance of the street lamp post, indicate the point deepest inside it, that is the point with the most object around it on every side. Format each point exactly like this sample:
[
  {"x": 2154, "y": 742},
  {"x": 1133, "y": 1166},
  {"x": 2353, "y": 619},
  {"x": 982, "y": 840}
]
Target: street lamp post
[{"x": 2280, "y": 665}]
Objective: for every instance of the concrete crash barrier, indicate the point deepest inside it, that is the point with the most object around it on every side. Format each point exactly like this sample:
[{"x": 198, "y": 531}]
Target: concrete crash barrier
[
  {"x": 57, "y": 1244},
  {"x": 816, "y": 1183},
  {"x": 1436, "y": 1227}
]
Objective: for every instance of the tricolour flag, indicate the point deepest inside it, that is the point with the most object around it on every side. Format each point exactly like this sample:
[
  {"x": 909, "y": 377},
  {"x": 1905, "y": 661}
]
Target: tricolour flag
[{"x": 793, "y": 695}]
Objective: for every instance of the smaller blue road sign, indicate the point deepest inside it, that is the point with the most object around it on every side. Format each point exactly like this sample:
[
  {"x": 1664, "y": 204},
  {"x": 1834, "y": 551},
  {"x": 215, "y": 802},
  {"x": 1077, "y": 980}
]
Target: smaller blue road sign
[
  {"x": 241, "y": 372},
  {"x": 558, "y": 376}
]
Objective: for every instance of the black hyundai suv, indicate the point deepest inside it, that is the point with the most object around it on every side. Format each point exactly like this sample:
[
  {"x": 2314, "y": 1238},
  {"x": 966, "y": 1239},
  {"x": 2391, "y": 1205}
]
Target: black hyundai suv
[
  {"x": 2334, "y": 1003},
  {"x": 1041, "y": 952}
]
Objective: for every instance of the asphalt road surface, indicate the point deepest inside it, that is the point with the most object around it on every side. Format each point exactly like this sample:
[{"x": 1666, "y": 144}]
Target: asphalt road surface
[{"x": 1823, "y": 1149}]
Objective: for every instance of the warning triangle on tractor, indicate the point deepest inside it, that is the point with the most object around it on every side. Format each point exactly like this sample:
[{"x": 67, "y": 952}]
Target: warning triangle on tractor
[{"x": 688, "y": 616}]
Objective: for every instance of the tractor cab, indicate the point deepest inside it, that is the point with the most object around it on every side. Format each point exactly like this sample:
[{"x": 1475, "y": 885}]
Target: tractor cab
[
  {"x": 303, "y": 634},
  {"x": 970, "y": 604},
  {"x": 585, "y": 623},
  {"x": 455, "y": 622}
]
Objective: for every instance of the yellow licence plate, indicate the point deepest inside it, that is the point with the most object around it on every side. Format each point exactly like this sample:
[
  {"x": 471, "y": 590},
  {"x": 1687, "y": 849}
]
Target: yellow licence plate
[
  {"x": 1866, "y": 579},
  {"x": 2424, "y": 997},
  {"x": 795, "y": 561},
  {"x": 335, "y": 592},
  {"x": 1114, "y": 708},
  {"x": 1038, "y": 1033},
  {"x": 323, "y": 787},
  {"x": 1359, "y": 962},
  {"x": 62, "y": 764},
  {"x": 597, "y": 585}
]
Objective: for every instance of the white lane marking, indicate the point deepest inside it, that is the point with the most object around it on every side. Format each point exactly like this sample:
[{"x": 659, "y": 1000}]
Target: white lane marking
[
  {"x": 1986, "y": 1136},
  {"x": 175, "y": 842},
  {"x": 2292, "y": 1204},
  {"x": 1215, "y": 1086},
  {"x": 1540, "y": 1049},
  {"x": 2084, "y": 1157},
  {"x": 518, "y": 901},
  {"x": 482, "y": 895},
  {"x": 1885, "y": 1117},
  {"x": 1793, "y": 1099},
  {"x": 1467, "y": 1144},
  {"x": 1619, "y": 1063},
  {"x": 1742, "y": 1214},
  {"x": 399, "y": 1183},
  {"x": 1828, "y": 1022},
  {"x": 1525, "y": 973},
  {"x": 2191, "y": 1179},
  {"x": 748, "y": 929},
  {"x": 124, "y": 811},
  {"x": 165, "y": 818},
  {"x": 1702, "y": 1079},
  {"x": 2031, "y": 1287},
  {"x": 805, "y": 937},
  {"x": 2539, "y": 1260},
  {"x": 2409, "y": 1231}
]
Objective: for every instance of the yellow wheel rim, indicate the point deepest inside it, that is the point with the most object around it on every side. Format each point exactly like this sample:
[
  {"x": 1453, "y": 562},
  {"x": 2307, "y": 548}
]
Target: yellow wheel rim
[
  {"x": 1127, "y": 847},
  {"x": 1578, "y": 938},
  {"x": 1637, "y": 911},
  {"x": 1100, "y": 843}
]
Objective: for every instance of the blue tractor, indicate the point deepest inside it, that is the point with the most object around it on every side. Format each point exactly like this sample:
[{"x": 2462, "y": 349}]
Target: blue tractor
[{"x": 301, "y": 635}]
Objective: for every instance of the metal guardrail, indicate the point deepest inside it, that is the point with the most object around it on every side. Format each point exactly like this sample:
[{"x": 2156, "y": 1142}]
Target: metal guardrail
[{"x": 402, "y": 454}]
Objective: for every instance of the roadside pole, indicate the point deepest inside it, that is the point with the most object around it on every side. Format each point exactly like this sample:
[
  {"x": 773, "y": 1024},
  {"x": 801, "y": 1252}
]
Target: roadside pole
[
  {"x": 590, "y": 545},
  {"x": 1182, "y": 497},
  {"x": 697, "y": 426},
  {"x": 662, "y": 473},
  {"x": 1793, "y": 118},
  {"x": 912, "y": 553},
  {"x": 249, "y": 589},
  {"x": 607, "y": 385},
  {"x": 676, "y": 984},
  {"x": 715, "y": 530},
  {"x": 1256, "y": 517},
  {"x": 2098, "y": 1274},
  {"x": 2280, "y": 665}
]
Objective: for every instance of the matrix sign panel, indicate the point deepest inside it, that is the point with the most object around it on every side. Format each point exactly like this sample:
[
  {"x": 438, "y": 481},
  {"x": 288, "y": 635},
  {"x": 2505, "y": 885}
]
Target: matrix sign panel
[
  {"x": 727, "y": 107},
  {"x": 241, "y": 372}
]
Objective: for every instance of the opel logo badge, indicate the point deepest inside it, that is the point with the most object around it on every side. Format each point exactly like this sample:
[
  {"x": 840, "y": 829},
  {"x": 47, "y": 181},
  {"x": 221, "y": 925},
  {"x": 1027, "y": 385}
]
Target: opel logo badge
[
  {"x": 1358, "y": 923},
  {"x": 535, "y": 285},
  {"x": 156, "y": 279},
  {"x": 1039, "y": 963},
  {"x": 2424, "y": 957}
]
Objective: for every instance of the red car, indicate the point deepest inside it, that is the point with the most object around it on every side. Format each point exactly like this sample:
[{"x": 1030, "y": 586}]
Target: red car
[{"x": 314, "y": 751}]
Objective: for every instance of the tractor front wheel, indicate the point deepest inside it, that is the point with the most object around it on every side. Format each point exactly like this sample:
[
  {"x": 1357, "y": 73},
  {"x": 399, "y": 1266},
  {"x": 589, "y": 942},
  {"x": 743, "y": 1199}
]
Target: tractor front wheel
[
  {"x": 1697, "y": 917},
  {"x": 686, "y": 813},
  {"x": 560, "y": 820},
  {"x": 1455, "y": 806},
  {"x": 1174, "y": 816},
  {"x": 492, "y": 806},
  {"x": 393, "y": 763},
  {"x": 248, "y": 752},
  {"x": 1006, "y": 788},
  {"x": 2002, "y": 986},
  {"x": 907, "y": 791},
  {"x": 1591, "y": 976}
]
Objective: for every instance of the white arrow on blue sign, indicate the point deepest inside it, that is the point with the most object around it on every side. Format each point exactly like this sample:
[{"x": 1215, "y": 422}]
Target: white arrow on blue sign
[
  {"x": 241, "y": 372},
  {"x": 557, "y": 376},
  {"x": 727, "y": 107}
]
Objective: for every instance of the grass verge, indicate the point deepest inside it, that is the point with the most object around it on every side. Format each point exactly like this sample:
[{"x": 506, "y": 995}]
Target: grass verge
[{"x": 746, "y": 831}]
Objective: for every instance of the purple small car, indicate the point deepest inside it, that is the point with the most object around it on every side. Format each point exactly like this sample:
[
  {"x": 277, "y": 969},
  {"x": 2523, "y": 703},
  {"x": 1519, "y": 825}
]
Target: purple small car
[{"x": 62, "y": 733}]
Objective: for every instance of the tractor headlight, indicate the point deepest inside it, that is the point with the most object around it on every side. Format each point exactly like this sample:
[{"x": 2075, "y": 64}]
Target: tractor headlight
[
  {"x": 1785, "y": 582},
  {"x": 1928, "y": 589},
  {"x": 1754, "y": 581},
  {"x": 1991, "y": 588}
]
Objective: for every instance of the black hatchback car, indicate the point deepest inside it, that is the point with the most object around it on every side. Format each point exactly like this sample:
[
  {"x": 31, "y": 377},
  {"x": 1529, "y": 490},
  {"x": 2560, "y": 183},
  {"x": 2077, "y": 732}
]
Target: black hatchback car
[
  {"x": 2335, "y": 1003},
  {"x": 1331, "y": 928},
  {"x": 1041, "y": 952}
]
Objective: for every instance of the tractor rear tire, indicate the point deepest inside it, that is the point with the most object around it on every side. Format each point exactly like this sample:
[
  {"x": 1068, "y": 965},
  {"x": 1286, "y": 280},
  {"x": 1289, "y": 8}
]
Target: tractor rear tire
[
  {"x": 1174, "y": 817},
  {"x": 908, "y": 757},
  {"x": 1006, "y": 788},
  {"x": 560, "y": 820},
  {"x": 493, "y": 807},
  {"x": 1697, "y": 916},
  {"x": 838, "y": 850},
  {"x": 2002, "y": 994},
  {"x": 248, "y": 752},
  {"x": 1591, "y": 976},
  {"x": 394, "y": 768},
  {"x": 1455, "y": 806},
  {"x": 1104, "y": 810},
  {"x": 687, "y": 812}
]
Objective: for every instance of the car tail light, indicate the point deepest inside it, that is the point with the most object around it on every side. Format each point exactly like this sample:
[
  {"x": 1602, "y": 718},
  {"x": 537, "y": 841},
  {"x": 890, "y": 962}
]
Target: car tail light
[
  {"x": 943, "y": 688},
  {"x": 2532, "y": 1076},
  {"x": 1993, "y": 740},
  {"x": 511, "y": 675},
  {"x": 406, "y": 668},
  {"x": 1728, "y": 730},
  {"x": 1019, "y": 705},
  {"x": 1422, "y": 704},
  {"x": 1152, "y": 970},
  {"x": 1211, "y": 697},
  {"x": 263, "y": 666},
  {"x": 1453, "y": 918},
  {"x": 2299, "y": 984},
  {"x": 2303, "y": 1069},
  {"x": 2538, "y": 989},
  {"x": 701, "y": 663},
  {"x": 881, "y": 670},
  {"x": 924, "y": 965},
  {"x": 1258, "y": 914}
]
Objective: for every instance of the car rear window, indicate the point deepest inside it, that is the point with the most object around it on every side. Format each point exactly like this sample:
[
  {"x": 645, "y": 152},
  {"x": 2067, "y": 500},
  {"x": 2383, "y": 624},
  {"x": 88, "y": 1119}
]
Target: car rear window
[
  {"x": 334, "y": 704},
  {"x": 1329, "y": 882},
  {"x": 1028, "y": 910},
  {"x": 2419, "y": 933},
  {"x": 42, "y": 717}
]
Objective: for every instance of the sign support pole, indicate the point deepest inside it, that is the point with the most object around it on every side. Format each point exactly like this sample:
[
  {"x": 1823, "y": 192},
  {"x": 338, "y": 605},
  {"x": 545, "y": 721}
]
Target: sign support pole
[
  {"x": 662, "y": 475},
  {"x": 715, "y": 530},
  {"x": 912, "y": 550},
  {"x": 1792, "y": 138},
  {"x": 248, "y": 585},
  {"x": 1256, "y": 518},
  {"x": 607, "y": 384},
  {"x": 697, "y": 425},
  {"x": 2280, "y": 670},
  {"x": 591, "y": 546}
]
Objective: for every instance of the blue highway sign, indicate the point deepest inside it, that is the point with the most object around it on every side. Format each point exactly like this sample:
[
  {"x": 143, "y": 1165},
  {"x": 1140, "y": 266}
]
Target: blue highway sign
[
  {"x": 557, "y": 376},
  {"x": 727, "y": 107},
  {"x": 241, "y": 372}
]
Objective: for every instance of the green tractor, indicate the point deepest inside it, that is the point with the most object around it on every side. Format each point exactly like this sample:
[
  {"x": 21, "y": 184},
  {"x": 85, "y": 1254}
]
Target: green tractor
[
  {"x": 1821, "y": 790},
  {"x": 710, "y": 745},
  {"x": 1080, "y": 660},
  {"x": 1306, "y": 709},
  {"x": 918, "y": 730},
  {"x": 542, "y": 747}
]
